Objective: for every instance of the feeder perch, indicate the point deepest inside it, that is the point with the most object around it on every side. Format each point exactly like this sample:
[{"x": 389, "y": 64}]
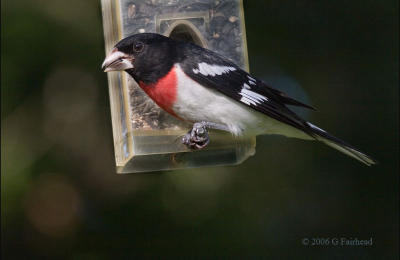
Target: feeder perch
[{"x": 146, "y": 138}]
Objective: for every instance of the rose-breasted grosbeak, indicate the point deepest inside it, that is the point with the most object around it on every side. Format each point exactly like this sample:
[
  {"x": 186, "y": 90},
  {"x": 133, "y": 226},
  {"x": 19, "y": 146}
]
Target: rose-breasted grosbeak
[{"x": 201, "y": 87}]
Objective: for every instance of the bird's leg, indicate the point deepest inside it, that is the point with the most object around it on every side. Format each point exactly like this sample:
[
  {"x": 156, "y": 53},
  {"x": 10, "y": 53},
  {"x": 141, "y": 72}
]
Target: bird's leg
[{"x": 197, "y": 137}]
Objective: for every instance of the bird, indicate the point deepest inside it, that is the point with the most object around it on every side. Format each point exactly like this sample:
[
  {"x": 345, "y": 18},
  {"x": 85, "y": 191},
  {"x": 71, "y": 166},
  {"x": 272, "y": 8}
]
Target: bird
[{"x": 205, "y": 89}]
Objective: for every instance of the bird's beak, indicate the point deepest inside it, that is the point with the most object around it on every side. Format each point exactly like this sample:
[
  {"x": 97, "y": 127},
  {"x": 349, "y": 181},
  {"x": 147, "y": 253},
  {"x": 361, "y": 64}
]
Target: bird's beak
[{"x": 117, "y": 60}]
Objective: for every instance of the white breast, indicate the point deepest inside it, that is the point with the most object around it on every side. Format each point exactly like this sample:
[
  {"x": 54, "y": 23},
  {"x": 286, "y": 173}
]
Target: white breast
[{"x": 196, "y": 103}]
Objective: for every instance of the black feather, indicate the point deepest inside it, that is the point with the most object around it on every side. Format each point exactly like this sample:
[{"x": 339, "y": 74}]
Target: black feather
[{"x": 231, "y": 84}]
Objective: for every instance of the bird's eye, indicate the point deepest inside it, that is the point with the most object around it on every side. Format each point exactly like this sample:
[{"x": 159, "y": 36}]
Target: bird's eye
[{"x": 138, "y": 47}]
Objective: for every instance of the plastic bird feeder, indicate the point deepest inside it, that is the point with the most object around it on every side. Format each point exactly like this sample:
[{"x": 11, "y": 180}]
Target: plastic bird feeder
[{"x": 146, "y": 138}]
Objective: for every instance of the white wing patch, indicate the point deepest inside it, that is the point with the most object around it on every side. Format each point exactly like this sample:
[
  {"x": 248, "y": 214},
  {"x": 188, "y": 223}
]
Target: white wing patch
[
  {"x": 251, "y": 97},
  {"x": 315, "y": 127},
  {"x": 212, "y": 70},
  {"x": 252, "y": 81}
]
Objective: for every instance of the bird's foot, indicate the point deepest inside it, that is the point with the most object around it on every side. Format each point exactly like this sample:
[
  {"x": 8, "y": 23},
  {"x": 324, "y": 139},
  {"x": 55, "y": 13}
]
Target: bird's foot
[{"x": 197, "y": 138}]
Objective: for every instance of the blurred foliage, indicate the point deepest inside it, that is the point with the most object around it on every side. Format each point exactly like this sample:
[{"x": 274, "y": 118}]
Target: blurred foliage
[{"x": 61, "y": 198}]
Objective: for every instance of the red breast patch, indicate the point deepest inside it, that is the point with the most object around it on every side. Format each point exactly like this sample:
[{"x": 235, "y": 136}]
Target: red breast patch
[{"x": 163, "y": 92}]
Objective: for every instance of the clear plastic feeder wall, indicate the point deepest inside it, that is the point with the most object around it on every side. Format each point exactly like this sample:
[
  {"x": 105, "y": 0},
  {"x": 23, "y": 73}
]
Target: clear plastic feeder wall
[{"x": 145, "y": 137}]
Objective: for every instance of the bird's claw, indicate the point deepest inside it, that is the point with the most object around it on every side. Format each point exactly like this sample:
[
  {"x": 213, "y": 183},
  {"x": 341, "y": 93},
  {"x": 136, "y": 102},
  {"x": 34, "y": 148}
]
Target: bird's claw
[{"x": 197, "y": 138}]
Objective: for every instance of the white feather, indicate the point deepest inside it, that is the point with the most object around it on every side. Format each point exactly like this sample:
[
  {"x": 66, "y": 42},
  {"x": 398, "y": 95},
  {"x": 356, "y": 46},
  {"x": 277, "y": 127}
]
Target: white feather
[
  {"x": 212, "y": 70},
  {"x": 315, "y": 127},
  {"x": 254, "y": 97},
  {"x": 252, "y": 81}
]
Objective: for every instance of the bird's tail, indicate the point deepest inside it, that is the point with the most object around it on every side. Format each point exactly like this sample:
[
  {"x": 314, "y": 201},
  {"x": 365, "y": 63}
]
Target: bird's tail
[{"x": 340, "y": 145}]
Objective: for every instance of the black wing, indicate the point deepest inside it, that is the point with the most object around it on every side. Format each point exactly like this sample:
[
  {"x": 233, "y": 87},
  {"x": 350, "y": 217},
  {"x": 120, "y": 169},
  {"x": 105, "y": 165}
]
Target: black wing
[{"x": 213, "y": 71}]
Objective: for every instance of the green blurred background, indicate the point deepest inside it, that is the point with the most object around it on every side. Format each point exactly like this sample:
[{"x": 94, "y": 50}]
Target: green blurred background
[{"x": 61, "y": 198}]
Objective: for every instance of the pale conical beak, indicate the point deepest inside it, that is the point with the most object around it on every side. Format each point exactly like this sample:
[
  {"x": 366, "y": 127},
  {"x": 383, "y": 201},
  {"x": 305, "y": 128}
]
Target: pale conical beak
[{"x": 117, "y": 61}]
